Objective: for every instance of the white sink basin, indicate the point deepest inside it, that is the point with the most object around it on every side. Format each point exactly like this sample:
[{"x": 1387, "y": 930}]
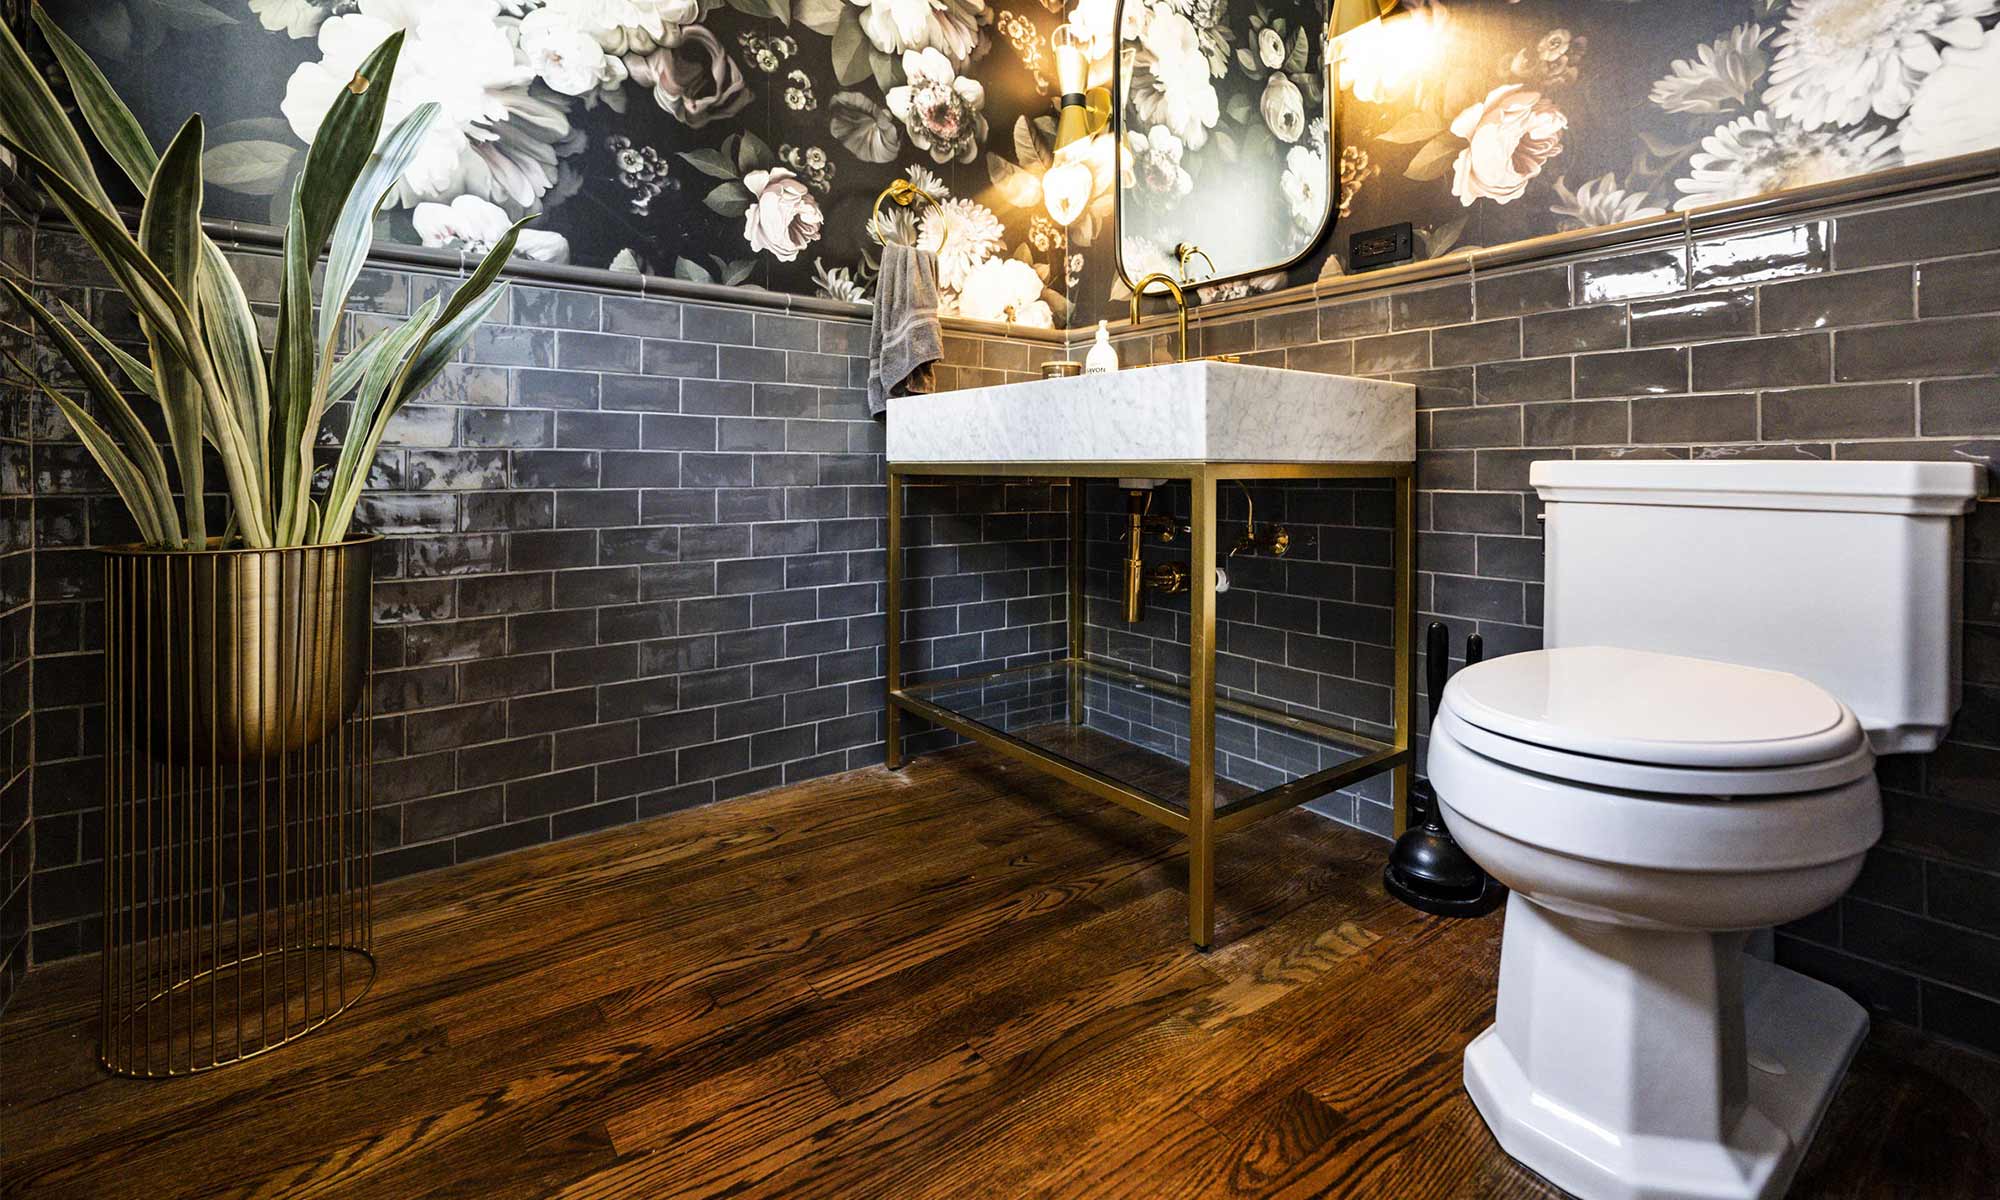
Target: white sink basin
[{"x": 1198, "y": 411}]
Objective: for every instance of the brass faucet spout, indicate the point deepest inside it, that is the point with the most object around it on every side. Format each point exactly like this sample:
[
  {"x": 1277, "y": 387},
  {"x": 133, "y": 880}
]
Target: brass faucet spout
[{"x": 1180, "y": 304}]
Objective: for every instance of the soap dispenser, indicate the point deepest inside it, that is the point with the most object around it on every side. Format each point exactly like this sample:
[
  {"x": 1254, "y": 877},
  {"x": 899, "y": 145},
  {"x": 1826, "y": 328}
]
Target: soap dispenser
[{"x": 1103, "y": 358}]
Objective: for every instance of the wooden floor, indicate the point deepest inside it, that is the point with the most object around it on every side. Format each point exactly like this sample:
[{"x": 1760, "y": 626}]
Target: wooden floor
[{"x": 960, "y": 980}]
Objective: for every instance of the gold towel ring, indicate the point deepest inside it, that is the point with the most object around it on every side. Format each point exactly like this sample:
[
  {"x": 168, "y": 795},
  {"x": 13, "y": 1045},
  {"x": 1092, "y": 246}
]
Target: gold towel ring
[{"x": 905, "y": 193}]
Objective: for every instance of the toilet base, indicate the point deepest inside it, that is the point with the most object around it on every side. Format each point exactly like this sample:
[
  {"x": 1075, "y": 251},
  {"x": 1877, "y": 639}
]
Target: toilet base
[{"x": 1799, "y": 1035}]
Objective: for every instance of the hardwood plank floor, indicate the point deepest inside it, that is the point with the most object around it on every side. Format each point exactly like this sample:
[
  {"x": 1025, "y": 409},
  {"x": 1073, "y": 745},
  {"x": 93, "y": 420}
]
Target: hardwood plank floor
[{"x": 957, "y": 980}]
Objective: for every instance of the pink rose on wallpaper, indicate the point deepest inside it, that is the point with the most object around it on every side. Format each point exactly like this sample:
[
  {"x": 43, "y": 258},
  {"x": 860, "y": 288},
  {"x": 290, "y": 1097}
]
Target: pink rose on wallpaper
[
  {"x": 695, "y": 79},
  {"x": 1509, "y": 135},
  {"x": 784, "y": 217}
]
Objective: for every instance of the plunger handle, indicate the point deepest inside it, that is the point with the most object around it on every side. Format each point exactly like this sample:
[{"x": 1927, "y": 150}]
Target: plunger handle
[{"x": 1437, "y": 662}]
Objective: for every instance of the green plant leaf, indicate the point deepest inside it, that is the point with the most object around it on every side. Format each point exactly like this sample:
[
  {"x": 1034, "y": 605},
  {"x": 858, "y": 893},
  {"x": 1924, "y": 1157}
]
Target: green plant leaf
[
  {"x": 254, "y": 168},
  {"x": 378, "y": 365},
  {"x": 354, "y": 233},
  {"x": 124, "y": 476},
  {"x": 32, "y": 119},
  {"x": 154, "y": 508},
  {"x": 117, "y": 131},
  {"x": 170, "y": 235},
  {"x": 137, "y": 373}
]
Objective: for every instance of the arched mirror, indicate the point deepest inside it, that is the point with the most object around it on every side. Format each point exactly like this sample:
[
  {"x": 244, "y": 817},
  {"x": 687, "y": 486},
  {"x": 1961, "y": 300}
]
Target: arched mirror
[{"x": 1224, "y": 130}]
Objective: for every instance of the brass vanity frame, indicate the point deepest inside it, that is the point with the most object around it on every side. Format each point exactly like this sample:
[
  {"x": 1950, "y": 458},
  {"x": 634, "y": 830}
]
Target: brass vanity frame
[{"x": 1204, "y": 821}]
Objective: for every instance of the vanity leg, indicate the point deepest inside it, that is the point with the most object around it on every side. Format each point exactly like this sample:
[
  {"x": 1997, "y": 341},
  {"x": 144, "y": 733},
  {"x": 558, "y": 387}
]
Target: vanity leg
[
  {"x": 1405, "y": 619},
  {"x": 892, "y": 604},
  {"x": 1075, "y": 579},
  {"x": 1201, "y": 710}
]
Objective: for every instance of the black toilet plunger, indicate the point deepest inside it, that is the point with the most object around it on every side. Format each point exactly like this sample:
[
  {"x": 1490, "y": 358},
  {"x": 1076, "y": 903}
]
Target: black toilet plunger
[{"x": 1426, "y": 869}]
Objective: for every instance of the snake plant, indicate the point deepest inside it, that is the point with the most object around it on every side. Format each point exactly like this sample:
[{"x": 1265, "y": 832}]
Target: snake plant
[{"x": 204, "y": 366}]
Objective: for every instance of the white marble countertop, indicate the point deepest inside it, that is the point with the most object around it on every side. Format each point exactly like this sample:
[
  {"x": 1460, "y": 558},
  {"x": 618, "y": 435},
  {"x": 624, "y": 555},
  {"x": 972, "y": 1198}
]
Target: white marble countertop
[{"x": 1183, "y": 412}]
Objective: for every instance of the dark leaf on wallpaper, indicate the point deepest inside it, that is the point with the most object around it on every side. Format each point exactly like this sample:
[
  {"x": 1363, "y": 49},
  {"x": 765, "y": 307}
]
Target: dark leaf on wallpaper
[
  {"x": 1415, "y": 126},
  {"x": 730, "y": 199},
  {"x": 820, "y": 16},
  {"x": 1435, "y": 158},
  {"x": 1028, "y": 149},
  {"x": 188, "y": 14},
  {"x": 1301, "y": 53},
  {"x": 1058, "y": 305},
  {"x": 1439, "y": 239},
  {"x": 1226, "y": 145},
  {"x": 106, "y": 30},
  {"x": 886, "y": 68},
  {"x": 711, "y": 163},
  {"x": 737, "y": 271},
  {"x": 691, "y": 271},
  {"x": 850, "y": 48},
  {"x": 777, "y": 10},
  {"x": 261, "y": 129},
  {"x": 1660, "y": 147},
  {"x": 1239, "y": 107},
  {"x": 1248, "y": 62},
  {"x": 255, "y": 168},
  {"x": 1046, "y": 126},
  {"x": 752, "y": 153}
]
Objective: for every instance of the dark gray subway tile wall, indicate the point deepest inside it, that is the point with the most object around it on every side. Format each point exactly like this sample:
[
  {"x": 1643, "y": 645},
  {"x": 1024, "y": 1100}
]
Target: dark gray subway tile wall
[
  {"x": 639, "y": 561},
  {"x": 1866, "y": 332},
  {"x": 637, "y": 564},
  {"x": 17, "y": 584}
]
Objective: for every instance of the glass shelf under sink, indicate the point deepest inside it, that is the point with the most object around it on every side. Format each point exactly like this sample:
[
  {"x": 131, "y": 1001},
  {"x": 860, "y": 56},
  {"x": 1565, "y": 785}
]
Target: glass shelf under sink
[{"x": 1130, "y": 730}]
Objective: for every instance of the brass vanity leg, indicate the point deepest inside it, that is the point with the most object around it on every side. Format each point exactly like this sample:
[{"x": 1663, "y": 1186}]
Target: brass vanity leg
[
  {"x": 1075, "y": 573},
  {"x": 1201, "y": 709},
  {"x": 892, "y": 604},
  {"x": 1405, "y": 619}
]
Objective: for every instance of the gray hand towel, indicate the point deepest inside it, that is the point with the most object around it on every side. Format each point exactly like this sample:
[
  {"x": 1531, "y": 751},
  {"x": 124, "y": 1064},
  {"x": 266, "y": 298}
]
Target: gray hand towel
[{"x": 905, "y": 340}]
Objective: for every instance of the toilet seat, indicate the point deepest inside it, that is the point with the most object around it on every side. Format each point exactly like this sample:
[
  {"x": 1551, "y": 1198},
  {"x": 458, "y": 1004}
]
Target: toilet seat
[{"x": 1655, "y": 761}]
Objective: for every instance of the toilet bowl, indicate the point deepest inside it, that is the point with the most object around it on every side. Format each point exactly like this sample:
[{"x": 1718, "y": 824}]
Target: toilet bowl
[{"x": 1647, "y": 811}]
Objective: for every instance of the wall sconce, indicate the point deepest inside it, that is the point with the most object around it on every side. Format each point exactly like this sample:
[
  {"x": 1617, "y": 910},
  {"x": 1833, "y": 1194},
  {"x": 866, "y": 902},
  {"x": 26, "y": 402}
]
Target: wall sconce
[
  {"x": 1350, "y": 15},
  {"x": 1084, "y": 112}
]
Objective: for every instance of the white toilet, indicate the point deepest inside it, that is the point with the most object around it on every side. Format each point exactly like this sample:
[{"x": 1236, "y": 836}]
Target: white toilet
[{"x": 1692, "y": 759}]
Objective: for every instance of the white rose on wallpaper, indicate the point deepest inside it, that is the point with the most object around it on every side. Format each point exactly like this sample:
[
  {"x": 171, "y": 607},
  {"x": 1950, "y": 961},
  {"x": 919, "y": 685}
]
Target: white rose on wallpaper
[
  {"x": 969, "y": 234},
  {"x": 940, "y": 109},
  {"x": 1601, "y": 201},
  {"x": 1152, "y": 163},
  {"x": 565, "y": 53},
  {"x": 1303, "y": 185},
  {"x": 784, "y": 216},
  {"x": 1509, "y": 135},
  {"x": 1283, "y": 107},
  {"x": 1270, "y": 48},
  {"x": 1005, "y": 289},
  {"x": 1170, "y": 83},
  {"x": 1955, "y": 110},
  {"x": 474, "y": 225},
  {"x": 1837, "y": 60},
  {"x": 296, "y": 18},
  {"x": 948, "y": 26},
  {"x": 493, "y": 138},
  {"x": 1723, "y": 74},
  {"x": 1755, "y": 154}
]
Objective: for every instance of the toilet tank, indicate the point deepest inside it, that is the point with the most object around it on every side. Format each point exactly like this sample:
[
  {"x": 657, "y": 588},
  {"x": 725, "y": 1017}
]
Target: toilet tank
[{"x": 1847, "y": 573}]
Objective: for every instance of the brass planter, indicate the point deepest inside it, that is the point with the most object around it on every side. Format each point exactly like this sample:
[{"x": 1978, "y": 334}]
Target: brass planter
[
  {"x": 244, "y": 654},
  {"x": 237, "y": 864}
]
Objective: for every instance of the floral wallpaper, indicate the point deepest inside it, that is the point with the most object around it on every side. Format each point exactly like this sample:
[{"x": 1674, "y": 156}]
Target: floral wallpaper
[
  {"x": 1484, "y": 122},
  {"x": 744, "y": 141},
  {"x": 727, "y": 141}
]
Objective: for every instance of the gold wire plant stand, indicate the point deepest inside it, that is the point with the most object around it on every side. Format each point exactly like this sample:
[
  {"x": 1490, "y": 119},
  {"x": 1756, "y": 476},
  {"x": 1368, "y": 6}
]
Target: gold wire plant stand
[{"x": 237, "y": 868}]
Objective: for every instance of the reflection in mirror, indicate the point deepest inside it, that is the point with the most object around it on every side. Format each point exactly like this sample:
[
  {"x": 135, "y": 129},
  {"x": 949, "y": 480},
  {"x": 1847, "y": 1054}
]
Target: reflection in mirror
[{"x": 1223, "y": 130}]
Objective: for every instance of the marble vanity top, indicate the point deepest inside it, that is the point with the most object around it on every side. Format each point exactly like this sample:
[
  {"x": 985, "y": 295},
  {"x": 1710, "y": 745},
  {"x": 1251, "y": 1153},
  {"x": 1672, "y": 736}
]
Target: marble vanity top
[{"x": 1195, "y": 411}]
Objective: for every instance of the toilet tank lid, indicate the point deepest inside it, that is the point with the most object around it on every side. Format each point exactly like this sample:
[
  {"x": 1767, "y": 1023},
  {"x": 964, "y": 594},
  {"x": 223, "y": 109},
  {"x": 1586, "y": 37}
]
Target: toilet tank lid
[{"x": 1907, "y": 488}]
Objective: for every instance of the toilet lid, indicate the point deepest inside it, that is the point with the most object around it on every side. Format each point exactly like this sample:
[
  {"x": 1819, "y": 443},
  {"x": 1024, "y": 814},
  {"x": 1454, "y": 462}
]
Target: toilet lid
[{"x": 1638, "y": 706}]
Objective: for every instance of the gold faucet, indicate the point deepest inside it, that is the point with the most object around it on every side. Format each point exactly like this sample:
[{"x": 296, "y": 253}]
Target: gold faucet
[{"x": 1180, "y": 304}]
